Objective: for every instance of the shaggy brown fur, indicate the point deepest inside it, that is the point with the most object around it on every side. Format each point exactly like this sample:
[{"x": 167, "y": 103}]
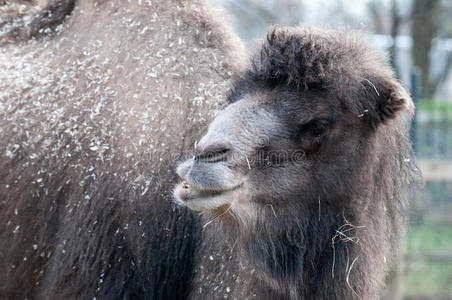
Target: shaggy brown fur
[
  {"x": 93, "y": 113},
  {"x": 319, "y": 226}
]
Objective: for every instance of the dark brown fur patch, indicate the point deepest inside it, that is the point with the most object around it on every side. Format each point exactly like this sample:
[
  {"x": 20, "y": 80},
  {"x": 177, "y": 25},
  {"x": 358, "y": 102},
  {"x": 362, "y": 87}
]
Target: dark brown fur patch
[{"x": 22, "y": 20}]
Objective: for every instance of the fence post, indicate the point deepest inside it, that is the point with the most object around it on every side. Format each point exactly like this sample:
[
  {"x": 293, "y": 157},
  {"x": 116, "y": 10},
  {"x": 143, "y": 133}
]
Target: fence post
[{"x": 415, "y": 86}]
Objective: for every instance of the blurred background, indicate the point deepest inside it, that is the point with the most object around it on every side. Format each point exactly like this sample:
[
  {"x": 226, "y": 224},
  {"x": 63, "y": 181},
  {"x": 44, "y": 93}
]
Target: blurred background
[{"x": 417, "y": 34}]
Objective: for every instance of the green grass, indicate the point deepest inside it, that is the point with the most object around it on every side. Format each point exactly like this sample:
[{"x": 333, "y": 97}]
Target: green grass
[
  {"x": 435, "y": 237},
  {"x": 429, "y": 279},
  {"x": 431, "y": 105}
]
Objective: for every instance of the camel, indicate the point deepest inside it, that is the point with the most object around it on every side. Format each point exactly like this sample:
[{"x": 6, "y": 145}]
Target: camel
[{"x": 302, "y": 174}]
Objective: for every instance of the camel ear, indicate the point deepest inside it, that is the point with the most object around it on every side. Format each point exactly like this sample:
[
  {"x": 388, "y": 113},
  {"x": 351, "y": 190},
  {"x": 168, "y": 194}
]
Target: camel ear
[{"x": 382, "y": 100}]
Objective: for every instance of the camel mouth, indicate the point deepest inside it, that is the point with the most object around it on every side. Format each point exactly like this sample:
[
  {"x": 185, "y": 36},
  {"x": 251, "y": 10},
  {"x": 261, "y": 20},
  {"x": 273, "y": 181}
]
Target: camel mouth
[{"x": 200, "y": 198}]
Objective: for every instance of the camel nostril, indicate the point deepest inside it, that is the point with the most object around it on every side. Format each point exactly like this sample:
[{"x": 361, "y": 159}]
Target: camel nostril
[{"x": 212, "y": 156}]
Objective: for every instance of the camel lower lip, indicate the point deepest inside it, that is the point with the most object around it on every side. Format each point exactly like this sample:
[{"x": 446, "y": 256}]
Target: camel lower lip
[
  {"x": 200, "y": 199},
  {"x": 188, "y": 192}
]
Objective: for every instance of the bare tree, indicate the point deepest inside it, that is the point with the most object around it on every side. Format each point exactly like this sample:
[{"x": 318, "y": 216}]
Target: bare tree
[
  {"x": 424, "y": 27},
  {"x": 428, "y": 19},
  {"x": 395, "y": 26},
  {"x": 382, "y": 16}
]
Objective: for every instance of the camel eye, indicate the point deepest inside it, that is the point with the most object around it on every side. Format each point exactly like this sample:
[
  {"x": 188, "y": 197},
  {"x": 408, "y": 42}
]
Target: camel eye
[
  {"x": 315, "y": 128},
  {"x": 312, "y": 135},
  {"x": 318, "y": 129}
]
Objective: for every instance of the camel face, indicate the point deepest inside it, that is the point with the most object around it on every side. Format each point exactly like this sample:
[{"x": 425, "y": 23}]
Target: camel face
[{"x": 266, "y": 147}]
